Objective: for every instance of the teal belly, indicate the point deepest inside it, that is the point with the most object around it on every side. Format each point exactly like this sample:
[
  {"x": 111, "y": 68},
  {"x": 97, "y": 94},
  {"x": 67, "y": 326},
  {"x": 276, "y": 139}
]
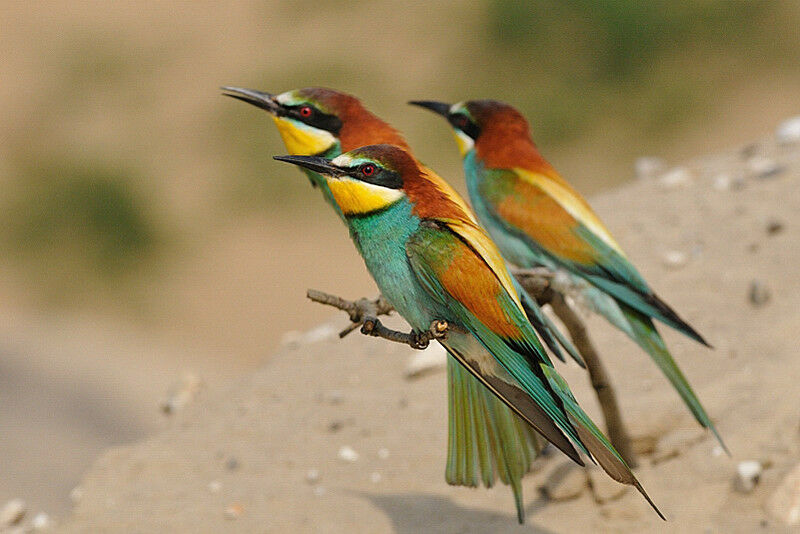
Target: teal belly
[{"x": 381, "y": 239}]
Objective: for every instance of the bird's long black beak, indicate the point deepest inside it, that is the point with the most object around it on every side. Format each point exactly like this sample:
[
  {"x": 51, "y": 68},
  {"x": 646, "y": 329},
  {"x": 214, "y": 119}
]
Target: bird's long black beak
[
  {"x": 257, "y": 98},
  {"x": 313, "y": 163},
  {"x": 440, "y": 108}
]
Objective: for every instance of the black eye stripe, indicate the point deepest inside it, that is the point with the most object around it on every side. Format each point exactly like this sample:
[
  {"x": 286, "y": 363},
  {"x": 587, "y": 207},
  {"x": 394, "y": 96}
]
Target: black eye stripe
[
  {"x": 380, "y": 176},
  {"x": 317, "y": 118},
  {"x": 465, "y": 124}
]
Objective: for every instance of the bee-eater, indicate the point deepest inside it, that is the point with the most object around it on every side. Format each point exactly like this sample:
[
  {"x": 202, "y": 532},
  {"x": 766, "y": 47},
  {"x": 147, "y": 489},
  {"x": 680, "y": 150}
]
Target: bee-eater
[
  {"x": 433, "y": 262},
  {"x": 537, "y": 219},
  {"x": 486, "y": 440}
]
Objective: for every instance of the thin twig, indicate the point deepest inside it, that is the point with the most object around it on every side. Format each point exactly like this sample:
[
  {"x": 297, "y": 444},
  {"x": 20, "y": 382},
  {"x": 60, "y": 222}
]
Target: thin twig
[
  {"x": 598, "y": 376},
  {"x": 538, "y": 283},
  {"x": 358, "y": 310},
  {"x": 364, "y": 312}
]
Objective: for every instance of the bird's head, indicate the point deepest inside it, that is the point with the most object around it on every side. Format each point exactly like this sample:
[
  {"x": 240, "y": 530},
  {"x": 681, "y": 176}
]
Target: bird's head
[
  {"x": 307, "y": 119},
  {"x": 364, "y": 180},
  {"x": 477, "y": 122},
  {"x": 315, "y": 121}
]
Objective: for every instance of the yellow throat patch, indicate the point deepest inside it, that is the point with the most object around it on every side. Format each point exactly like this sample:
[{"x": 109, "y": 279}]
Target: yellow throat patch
[
  {"x": 355, "y": 197},
  {"x": 302, "y": 140}
]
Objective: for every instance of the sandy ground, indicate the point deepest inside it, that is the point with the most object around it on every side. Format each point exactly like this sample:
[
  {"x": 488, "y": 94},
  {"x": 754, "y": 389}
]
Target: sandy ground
[{"x": 238, "y": 459}]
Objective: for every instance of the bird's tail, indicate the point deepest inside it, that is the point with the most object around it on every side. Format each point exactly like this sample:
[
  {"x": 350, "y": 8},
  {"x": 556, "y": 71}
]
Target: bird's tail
[
  {"x": 486, "y": 440},
  {"x": 641, "y": 329},
  {"x": 594, "y": 441}
]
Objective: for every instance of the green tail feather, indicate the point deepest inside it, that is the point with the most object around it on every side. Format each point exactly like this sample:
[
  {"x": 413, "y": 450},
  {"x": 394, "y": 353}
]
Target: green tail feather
[
  {"x": 646, "y": 335},
  {"x": 593, "y": 438},
  {"x": 640, "y": 328},
  {"x": 486, "y": 439}
]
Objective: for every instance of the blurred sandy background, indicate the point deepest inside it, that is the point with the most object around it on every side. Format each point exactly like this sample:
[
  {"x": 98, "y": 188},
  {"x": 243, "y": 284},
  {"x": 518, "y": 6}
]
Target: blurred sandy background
[{"x": 146, "y": 232}]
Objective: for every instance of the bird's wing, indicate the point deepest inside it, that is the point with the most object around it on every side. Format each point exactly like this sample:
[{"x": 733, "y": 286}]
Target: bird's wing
[
  {"x": 553, "y": 219},
  {"x": 507, "y": 357},
  {"x": 446, "y": 261}
]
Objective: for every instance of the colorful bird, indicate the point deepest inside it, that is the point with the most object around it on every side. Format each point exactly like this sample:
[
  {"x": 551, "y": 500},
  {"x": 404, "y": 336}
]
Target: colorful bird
[
  {"x": 433, "y": 263},
  {"x": 486, "y": 440},
  {"x": 537, "y": 219}
]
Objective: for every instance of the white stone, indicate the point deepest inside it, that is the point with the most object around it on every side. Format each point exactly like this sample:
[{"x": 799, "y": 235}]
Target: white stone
[
  {"x": 375, "y": 477},
  {"x": 214, "y": 486},
  {"x": 181, "y": 393},
  {"x": 348, "y": 454},
  {"x": 788, "y": 131},
  {"x": 748, "y": 473},
  {"x": 320, "y": 333},
  {"x": 383, "y": 453},
  {"x": 312, "y": 476},
  {"x": 426, "y": 361},
  {"x": 12, "y": 512},
  {"x": 675, "y": 259},
  {"x": 674, "y": 178},
  {"x": 784, "y": 503},
  {"x": 41, "y": 521},
  {"x": 762, "y": 166},
  {"x": 648, "y": 167}
]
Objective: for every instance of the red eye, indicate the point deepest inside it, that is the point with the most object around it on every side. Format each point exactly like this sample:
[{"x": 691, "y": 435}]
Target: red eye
[
  {"x": 461, "y": 122},
  {"x": 305, "y": 111},
  {"x": 368, "y": 169}
]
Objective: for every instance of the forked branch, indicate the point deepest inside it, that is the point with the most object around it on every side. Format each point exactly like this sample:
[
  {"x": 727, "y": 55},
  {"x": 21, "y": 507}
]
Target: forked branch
[{"x": 364, "y": 312}]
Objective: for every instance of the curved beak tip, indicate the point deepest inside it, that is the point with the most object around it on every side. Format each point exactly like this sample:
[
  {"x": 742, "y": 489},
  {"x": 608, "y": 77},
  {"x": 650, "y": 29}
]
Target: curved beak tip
[
  {"x": 259, "y": 99},
  {"x": 440, "y": 108}
]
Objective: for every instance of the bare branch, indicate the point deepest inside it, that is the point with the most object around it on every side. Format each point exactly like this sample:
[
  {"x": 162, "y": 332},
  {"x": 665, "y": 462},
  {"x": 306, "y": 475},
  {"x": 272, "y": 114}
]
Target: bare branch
[
  {"x": 364, "y": 312},
  {"x": 358, "y": 310},
  {"x": 598, "y": 376}
]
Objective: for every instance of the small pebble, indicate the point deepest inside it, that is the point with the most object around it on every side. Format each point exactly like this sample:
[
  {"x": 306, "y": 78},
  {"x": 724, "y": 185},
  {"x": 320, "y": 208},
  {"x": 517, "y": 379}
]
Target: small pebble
[
  {"x": 648, "y": 167},
  {"x": 320, "y": 333},
  {"x": 335, "y": 397},
  {"x": 232, "y": 464},
  {"x": 41, "y": 521},
  {"x": 717, "y": 451},
  {"x": 774, "y": 226},
  {"x": 726, "y": 182},
  {"x": 759, "y": 293},
  {"x": 348, "y": 454},
  {"x": 312, "y": 476},
  {"x": 76, "y": 494},
  {"x": 335, "y": 426},
  {"x": 383, "y": 453},
  {"x": 748, "y": 473},
  {"x": 181, "y": 393},
  {"x": 763, "y": 167},
  {"x": 674, "y": 178},
  {"x": 234, "y": 511},
  {"x": 319, "y": 491},
  {"x": 214, "y": 486},
  {"x": 12, "y": 512},
  {"x": 375, "y": 477},
  {"x": 675, "y": 259},
  {"x": 788, "y": 131}
]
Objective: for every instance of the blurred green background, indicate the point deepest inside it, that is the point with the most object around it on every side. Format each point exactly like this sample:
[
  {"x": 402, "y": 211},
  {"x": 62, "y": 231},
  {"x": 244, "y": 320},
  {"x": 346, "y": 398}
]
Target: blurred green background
[
  {"x": 135, "y": 198},
  {"x": 120, "y": 156}
]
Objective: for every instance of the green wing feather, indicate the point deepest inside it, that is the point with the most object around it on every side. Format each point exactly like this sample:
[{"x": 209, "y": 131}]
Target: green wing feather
[{"x": 516, "y": 359}]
